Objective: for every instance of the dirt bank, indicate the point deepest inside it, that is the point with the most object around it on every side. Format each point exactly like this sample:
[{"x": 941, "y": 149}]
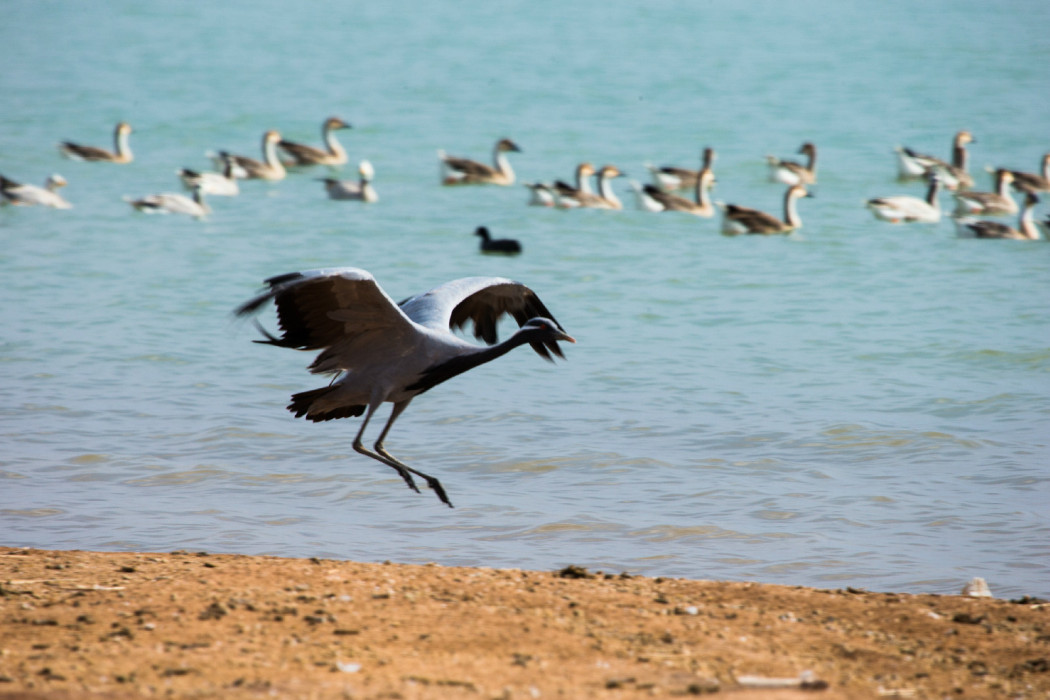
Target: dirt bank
[{"x": 115, "y": 625}]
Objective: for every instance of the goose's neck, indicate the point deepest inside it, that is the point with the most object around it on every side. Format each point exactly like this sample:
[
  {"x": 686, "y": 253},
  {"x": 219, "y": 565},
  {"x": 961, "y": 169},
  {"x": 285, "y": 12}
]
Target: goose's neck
[
  {"x": 791, "y": 217},
  {"x": 1046, "y": 167},
  {"x": 605, "y": 191},
  {"x": 703, "y": 191},
  {"x": 332, "y": 143},
  {"x": 933, "y": 191},
  {"x": 502, "y": 163},
  {"x": 1002, "y": 186},
  {"x": 270, "y": 155},
  {"x": 811, "y": 164},
  {"x": 120, "y": 142},
  {"x": 583, "y": 183},
  {"x": 959, "y": 155},
  {"x": 1027, "y": 224}
]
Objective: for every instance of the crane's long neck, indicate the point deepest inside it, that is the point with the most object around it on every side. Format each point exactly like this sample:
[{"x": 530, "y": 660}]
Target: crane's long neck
[{"x": 459, "y": 364}]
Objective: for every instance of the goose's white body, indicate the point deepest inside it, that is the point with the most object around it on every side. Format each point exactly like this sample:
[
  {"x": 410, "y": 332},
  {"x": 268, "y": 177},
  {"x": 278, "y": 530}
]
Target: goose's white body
[
  {"x": 362, "y": 190},
  {"x": 16, "y": 193},
  {"x": 739, "y": 220},
  {"x": 898, "y": 209},
  {"x": 121, "y": 152},
  {"x": 1026, "y": 230},
  {"x": 333, "y": 152},
  {"x": 172, "y": 203}
]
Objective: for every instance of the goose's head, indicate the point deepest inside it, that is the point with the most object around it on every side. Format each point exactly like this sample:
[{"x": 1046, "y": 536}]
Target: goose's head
[
  {"x": 506, "y": 145},
  {"x": 335, "y": 123}
]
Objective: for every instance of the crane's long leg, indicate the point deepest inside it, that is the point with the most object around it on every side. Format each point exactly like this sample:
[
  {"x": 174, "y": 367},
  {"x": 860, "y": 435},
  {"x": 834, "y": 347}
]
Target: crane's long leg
[
  {"x": 393, "y": 464},
  {"x": 433, "y": 483}
]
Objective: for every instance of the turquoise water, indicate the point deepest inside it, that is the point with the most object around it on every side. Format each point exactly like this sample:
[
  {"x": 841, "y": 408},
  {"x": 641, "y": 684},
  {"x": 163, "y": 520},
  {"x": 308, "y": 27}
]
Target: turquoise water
[{"x": 857, "y": 404}]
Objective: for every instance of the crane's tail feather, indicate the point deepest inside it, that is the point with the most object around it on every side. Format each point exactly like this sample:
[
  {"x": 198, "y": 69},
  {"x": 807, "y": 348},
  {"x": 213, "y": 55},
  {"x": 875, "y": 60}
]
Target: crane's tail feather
[{"x": 306, "y": 404}]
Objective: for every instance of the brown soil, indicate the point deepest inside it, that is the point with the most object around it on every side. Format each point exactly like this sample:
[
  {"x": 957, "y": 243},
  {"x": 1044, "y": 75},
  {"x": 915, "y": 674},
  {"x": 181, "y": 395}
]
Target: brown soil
[{"x": 121, "y": 625}]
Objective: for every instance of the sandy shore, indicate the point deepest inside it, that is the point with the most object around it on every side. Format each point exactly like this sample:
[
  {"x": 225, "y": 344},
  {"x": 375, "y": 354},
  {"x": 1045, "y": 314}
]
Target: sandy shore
[{"x": 115, "y": 625}]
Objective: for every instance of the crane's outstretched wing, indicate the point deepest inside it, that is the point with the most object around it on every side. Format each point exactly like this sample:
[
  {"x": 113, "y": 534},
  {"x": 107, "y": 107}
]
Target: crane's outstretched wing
[
  {"x": 482, "y": 301},
  {"x": 340, "y": 310}
]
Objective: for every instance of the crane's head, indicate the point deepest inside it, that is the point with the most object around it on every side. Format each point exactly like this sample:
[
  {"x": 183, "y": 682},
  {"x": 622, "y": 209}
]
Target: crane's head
[{"x": 543, "y": 335}]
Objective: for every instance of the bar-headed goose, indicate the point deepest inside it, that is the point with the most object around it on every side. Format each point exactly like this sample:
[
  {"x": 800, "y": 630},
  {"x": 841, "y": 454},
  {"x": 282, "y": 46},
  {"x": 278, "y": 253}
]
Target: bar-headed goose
[
  {"x": 738, "y": 220},
  {"x": 1033, "y": 182},
  {"x": 269, "y": 168},
  {"x": 16, "y": 193},
  {"x": 669, "y": 177},
  {"x": 668, "y": 201},
  {"x": 121, "y": 153},
  {"x": 791, "y": 173},
  {"x": 332, "y": 153},
  {"x": 171, "y": 203},
  {"x": 463, "y": 171},
  {"x": 605, "y": 197},
  {"x": 541, "y": 194},
  {"x": 568, "y": 196},
  {"x": 989, "y": 203},
  {"x": 361, "y": 191},
  {"x": 1026, "y": 229},
  {"x": 222, "y": 184},
  {"x": 912, "y": 164},
  {"x": 908, "y": 209}
]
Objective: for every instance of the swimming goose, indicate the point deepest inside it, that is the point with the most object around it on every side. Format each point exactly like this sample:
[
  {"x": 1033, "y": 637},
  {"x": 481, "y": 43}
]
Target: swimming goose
[
  {"x": 568, "y": 196},
  {"x": 991, "y": 203},
  {"x": 463, "y": 171},
  {"x": 1026, "y": 229},
  {"x": 669, "y": 177},
  {"x": 121, "y": 154},
  {"x": 541, "y": 194},
  {"x": 331, "y": 154},
  {"x": 668, "y": 201},
  {"x": 907, "y": 209},
  {"x": 1032, "y": 182},
  {"x": 738, "y": 220},
  {"x": 361, "y": 190},
  {"x": 222, "y": 184},
  {"x": 170, "y": 203},
  {"x": 791, "y": 173},
  {"x": 605, "y": 198},
  {"x": 911, "y": 164},
  {"x": 15, "y": 193},
  {"x": 1044, "y": 226},
  {"x": 270, "y": 168},
  {"x": 506, "y": 246}
]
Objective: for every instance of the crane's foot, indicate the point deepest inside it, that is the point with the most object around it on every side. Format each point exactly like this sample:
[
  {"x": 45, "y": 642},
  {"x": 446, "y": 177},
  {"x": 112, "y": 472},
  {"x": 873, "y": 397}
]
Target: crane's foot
[
  {"x": 408, "y": 478},
  {"x": 438, "y": 489}
]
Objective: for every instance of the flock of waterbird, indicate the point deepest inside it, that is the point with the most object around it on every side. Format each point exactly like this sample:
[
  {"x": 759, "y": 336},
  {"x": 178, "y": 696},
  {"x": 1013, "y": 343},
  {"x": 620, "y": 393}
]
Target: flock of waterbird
[
  {"x": 380, "y": 351},
  {"x": 665, "y": 193}
]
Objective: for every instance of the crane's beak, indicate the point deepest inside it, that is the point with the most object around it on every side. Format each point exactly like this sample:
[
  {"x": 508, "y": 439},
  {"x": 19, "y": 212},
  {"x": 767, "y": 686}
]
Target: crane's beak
[{"x": 566, "y": 337}]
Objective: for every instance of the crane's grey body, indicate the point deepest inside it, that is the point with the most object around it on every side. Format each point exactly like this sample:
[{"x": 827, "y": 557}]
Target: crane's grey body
[{"x": 383, "y": 351}]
